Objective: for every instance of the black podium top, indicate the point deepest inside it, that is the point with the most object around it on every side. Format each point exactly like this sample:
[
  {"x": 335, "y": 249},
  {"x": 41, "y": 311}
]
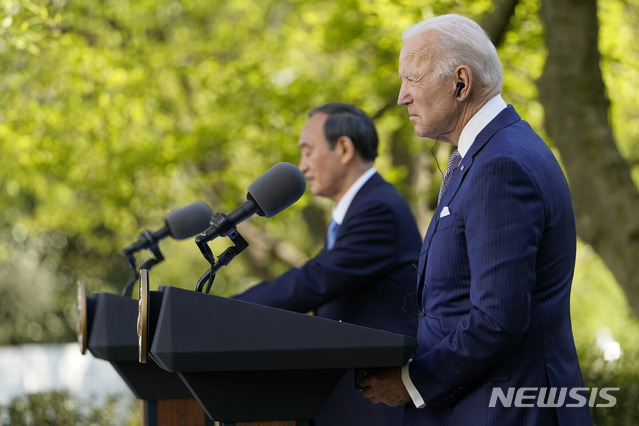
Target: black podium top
[{"x": 202, "y": 332}]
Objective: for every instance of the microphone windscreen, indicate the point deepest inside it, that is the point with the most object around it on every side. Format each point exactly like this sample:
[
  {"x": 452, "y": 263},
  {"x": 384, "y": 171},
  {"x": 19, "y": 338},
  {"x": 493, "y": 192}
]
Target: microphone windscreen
[
  {"x": 279, "y": 187},
  {"x": 189, "y": 221}
]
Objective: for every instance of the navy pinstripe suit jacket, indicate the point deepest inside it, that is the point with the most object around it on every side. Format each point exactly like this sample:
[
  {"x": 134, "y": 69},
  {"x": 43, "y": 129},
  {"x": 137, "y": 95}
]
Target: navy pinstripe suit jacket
[{"x": 494, "y": 281}]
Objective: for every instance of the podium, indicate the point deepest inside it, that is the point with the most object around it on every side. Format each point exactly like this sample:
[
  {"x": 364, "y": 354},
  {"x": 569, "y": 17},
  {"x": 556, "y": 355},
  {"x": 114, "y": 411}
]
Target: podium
[
  {"x": 107, "y": 328},
  {"x": 250, "y": 363}
]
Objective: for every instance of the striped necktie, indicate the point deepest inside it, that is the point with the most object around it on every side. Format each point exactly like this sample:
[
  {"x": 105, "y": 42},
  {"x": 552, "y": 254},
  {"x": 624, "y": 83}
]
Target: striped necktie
[{"x": 453, "y": 163}]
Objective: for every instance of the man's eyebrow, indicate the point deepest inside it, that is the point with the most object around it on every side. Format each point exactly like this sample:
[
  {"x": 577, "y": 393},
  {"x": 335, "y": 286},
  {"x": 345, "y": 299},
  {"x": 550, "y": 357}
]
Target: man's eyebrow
[{"x": 411, "y": 76}]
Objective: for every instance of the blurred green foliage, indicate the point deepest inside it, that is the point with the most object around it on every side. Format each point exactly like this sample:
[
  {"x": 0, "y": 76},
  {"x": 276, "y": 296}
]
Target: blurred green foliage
[
  {"x": 113, "y": 113},
  {"x": 605, "y": 328},
  {"x": 63, "y": 409},
  {"x": 623, "y": 375}
]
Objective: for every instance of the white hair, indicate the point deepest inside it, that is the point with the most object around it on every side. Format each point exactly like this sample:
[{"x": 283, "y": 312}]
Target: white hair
[{"x": 461, "y": 42}]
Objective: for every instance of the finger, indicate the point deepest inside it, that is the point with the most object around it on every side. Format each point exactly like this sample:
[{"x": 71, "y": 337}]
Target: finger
[
  {"x": 365, "y": 382},
  {"x": 367, "y": 391},
  {"x": 372, "y": 397}
]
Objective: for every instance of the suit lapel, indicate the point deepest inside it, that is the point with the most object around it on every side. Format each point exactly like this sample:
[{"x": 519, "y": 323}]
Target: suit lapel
[
  {"x": 505, "y": 118},
  {"x": 373, "y": 182}
]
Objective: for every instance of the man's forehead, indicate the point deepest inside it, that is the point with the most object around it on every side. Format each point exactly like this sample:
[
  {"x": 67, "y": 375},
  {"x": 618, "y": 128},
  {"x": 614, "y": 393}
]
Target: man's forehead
[
  {"x": 312, "y": 130},
  {"x": 412, "y": 65},
  {"x": 416, "y": 51},
  {"x": 408, "y": 61}
]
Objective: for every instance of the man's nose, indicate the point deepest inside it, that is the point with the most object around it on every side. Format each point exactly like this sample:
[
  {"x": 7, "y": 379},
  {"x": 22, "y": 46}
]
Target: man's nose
[
  {"x": 302, "y": 165},
  {"x": 403, "y": 98}
]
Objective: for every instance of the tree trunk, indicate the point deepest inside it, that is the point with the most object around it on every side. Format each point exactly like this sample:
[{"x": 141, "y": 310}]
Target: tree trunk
[
  {"x": 496, "y": 22},
  {"x": 572, "y": 91}
]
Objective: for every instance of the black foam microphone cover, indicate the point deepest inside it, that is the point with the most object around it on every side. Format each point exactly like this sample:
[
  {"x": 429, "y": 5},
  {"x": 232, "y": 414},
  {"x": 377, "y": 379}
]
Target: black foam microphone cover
[
  {"x": 278, "y": 188},
  {"x": 189, "y": 220}
]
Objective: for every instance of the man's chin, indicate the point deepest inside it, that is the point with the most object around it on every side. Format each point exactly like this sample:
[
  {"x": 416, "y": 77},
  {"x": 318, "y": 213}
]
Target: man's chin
[
  {"x": 419, "y": 131},
  {"x": 423, "y": 132}
]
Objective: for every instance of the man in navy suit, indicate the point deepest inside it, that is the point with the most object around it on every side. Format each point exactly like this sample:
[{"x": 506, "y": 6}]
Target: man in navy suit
[
  {"x": 366, "y": 269},
  {"x": 497, "y": 262}
]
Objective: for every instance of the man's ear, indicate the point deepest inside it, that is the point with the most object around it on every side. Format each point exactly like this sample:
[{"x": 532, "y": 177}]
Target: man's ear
[
  {"x": 463, "y": 79},
  {"x": 345, "y": 148}
]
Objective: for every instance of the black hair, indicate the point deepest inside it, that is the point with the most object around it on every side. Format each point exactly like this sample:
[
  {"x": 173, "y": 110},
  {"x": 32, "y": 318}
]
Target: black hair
[{"x": 348, "y": 120}]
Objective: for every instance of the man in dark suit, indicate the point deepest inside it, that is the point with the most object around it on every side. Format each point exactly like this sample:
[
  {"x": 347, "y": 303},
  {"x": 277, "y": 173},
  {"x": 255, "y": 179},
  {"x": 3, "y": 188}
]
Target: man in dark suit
[
  {"x": 497, "y": 262},
  {"x": 366, "y": 269}
]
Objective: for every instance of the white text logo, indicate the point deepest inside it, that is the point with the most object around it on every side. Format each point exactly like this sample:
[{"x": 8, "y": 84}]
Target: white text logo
[{"x": 553, "y": 397}]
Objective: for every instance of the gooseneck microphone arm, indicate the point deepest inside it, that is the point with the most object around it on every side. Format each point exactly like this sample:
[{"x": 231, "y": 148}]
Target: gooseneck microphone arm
[
  {"x": 181, "y": 223},
  {"x": 146, "y": 240},
  {"x": 223, "y": 226},
  {"x": 128, "y": 253},
  {"x": 225, "y": 258},
  {"x": 279, "y": 187}
]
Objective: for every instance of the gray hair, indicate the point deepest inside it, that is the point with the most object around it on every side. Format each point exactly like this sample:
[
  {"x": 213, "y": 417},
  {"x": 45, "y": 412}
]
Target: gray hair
[{"x": 462, "y": 42}]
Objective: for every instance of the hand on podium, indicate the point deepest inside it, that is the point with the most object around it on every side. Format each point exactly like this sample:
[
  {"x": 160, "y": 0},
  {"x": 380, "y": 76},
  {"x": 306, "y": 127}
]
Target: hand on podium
[{"x": 386, "y": 386}]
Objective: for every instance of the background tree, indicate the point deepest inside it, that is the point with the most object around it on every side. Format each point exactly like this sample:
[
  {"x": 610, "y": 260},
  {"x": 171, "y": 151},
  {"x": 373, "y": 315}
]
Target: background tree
[{"x": 577, "y": 111}]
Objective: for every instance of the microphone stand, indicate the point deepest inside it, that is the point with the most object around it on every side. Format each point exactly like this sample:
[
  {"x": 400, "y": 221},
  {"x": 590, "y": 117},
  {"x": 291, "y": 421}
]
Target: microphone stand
[
  {"x": 224, "y": 259},
  {"x": 130, "y": 260}
]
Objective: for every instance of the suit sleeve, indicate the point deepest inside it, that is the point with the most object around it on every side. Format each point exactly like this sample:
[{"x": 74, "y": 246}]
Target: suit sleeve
[
  {"x": 366, "y": 245},
  {"x": 504, "y": 219}
]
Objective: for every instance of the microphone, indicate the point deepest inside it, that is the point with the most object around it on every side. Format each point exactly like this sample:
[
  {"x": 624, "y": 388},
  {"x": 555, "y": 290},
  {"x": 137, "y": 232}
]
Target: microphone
[
  {"x": 278, "y": 188},
  {"x": 180, "y": 223}
]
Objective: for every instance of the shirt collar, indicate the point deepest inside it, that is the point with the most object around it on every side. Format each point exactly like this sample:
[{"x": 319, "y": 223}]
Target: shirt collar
[
  {"x": 340, "y": 209},
  {"x": 485, "y": 115}
]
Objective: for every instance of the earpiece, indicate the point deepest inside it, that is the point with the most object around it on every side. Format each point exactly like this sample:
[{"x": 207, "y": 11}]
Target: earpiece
[{"x": 460, "y": 86}]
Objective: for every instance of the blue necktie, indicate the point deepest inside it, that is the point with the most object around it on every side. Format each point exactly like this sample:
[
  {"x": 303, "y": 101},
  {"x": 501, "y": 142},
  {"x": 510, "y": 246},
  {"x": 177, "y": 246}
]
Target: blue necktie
[
  {"x": 331, "y": 234},
  {"x": 453, "y": 163}
]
